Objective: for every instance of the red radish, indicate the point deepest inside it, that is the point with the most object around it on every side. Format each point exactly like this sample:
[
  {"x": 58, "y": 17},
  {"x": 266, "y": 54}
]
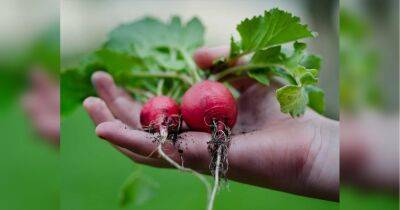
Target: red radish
[
  {"x": 206, "y": 102},
  {"x": 161, "y": 115},
  {"x": 158, "y": 112},
  {"x": 210, "y": 107}
]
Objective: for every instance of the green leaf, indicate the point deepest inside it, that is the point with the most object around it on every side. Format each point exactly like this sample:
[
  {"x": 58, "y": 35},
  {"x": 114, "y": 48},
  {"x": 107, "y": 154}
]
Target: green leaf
[
  {"x": 282, "y": 74},
  {"x": 308, "y": 79},
  {"x": 129, "y": 189},
  {"x": 292, "y": 99},
  {"x": 316, "y": 98},
  {"x": 150, "y": 36},
  {"x": 45, "y": 50},
  {"x": 294, "y": 55},
  {"x": 235, "y": 49},
  {"x": 137, "y": 189},
  {"x": 304, "y": 76},
  {"x": 268, "y": 56},
  {"x": 299, "y": 46},
  {"x": 12, "y": 85},
  {"x": 233, "y": 90},
  {"x": 75, "y": 87},
  {"x": 194, "y": 34},
  {"x": 275, "y": 27},
  {"x": 117, "y": 63},
  {"x": 76, "y": 83},
  {"x": 311, "y": 62},
  {"x": 261, "y": 75}
]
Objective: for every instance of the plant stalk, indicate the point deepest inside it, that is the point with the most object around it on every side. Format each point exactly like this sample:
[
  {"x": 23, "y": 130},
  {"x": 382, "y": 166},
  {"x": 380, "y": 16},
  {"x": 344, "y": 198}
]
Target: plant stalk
[
  {"x": 236, "y": 70},
  {"x": 192, "y": 66},
  {"x": 145, "y": 93},
  {"x": 216, "y": 180},
  {"x": 172, "y": 75},
  {"x": 160, "y": 87},
  {"x": 164, "y": 135}
]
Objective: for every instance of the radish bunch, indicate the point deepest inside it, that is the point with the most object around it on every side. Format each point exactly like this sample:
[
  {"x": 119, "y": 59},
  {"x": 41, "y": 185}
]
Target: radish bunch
[
  {"x": 153, "y": 60},
  {"x": 207, "y": 106}
]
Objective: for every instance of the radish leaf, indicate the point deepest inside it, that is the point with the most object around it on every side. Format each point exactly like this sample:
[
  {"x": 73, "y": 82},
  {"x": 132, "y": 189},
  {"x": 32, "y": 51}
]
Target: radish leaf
[
  {"x": 293, "y": 100},
  {"x": 316, "y": 98},
  {"x": 275, "y": 27}
]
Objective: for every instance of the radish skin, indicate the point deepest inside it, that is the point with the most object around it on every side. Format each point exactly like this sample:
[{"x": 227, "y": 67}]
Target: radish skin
[
  {"x": 161, "y": 115},
  {"x": 159, "y": 112},
  {"x": 207, "y": 101},
  {"x": 210, "y": 107}
]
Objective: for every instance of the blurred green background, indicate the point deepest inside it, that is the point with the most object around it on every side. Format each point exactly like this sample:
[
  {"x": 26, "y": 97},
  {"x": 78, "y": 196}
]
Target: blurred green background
[{"x": 29, "y": 174}]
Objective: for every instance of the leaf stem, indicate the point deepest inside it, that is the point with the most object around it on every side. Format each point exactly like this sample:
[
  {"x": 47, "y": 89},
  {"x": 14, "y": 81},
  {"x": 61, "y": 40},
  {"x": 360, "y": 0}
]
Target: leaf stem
[
  {"x": 145, "y": 93},
  {"x": 242, "y": 68},
  {"x": 175, "y": 94},
  {"x": 235, "y": 70},
  {"x": 160, "y": 87},
  {"x": 192, "y": 66},
  {"x": 172, "y": 89},
  {"x": 171, "y": 75}
]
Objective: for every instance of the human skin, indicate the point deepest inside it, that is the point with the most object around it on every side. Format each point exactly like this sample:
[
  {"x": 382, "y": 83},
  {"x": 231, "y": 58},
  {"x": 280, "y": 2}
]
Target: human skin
[
  {"x": 369, "y": 149},
  {"x": 41, "y": 102},
  {"x": 268, "y": 148}
]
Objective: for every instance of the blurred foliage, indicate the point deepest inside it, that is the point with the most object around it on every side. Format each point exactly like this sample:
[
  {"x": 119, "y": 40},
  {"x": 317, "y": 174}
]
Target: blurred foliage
[
  {"x": 139, "y": 55},
  {"x": 137, "y": 189},
  {"x": 358, "y": 64},
  {"x": 12, "y": 82},
  {"x": 15, "y": 64},
  {"x": 352, "y": 198},
  {"x": 29, "y": 177},
  {"x": 45, "y": 50}
]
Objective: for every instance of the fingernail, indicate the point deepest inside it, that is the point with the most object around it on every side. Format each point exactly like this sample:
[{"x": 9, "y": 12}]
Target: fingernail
[
  {"x": 88, "y": 102},
  {"x": 100, "y": 77}
]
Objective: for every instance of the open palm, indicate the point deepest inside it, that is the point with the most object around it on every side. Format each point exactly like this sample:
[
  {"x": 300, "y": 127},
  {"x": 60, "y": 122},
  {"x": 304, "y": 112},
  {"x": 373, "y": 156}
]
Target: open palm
[{"x": 268, "y": 148}]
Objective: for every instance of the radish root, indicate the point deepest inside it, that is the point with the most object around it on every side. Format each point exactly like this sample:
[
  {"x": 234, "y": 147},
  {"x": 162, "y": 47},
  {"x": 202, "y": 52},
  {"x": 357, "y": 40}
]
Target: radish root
[
  {"x": 218, "y": 149},
  {"x": 216, "y": 181},
  {"x": 162, "y": 139}
]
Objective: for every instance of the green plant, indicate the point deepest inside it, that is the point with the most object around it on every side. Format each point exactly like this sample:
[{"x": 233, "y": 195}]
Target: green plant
[{"x": 149, "y": 57}]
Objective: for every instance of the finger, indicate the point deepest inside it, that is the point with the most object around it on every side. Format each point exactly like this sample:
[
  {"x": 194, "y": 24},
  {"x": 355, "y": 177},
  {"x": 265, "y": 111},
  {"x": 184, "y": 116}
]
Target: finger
[
  {"x": 40, "y": 80},
  {"x": 49, "y": 128},
  {"x": 193, "y": 144},
  {"x": 118, "y": 134},
  {"x": 97, "y": 110},
  {"x": 46, "y": 88},
  {"x": 205, "y": 57},
  {"x": 120, "y": 105},
  {"x": 143, "y": 160},
  {"x": 45, "y": 121},
  {"x": 36, "y": 108},
  {"x": 99, "y": 113}
]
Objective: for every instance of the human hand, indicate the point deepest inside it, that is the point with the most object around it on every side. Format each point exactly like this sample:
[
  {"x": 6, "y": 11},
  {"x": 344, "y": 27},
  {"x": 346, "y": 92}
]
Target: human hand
[
  {"x": 369, "y": 150},
  {"x": 42, "y": 104},
  {"x": 268, "y": 148}
]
